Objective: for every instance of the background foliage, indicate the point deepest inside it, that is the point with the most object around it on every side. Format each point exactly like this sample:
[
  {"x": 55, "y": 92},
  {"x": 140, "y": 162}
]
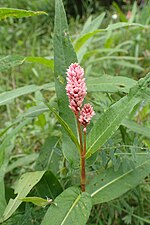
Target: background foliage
[{"x": 30, "y": 133}]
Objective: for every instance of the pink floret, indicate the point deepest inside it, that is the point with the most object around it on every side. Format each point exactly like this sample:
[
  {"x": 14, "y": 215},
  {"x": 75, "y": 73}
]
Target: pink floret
[
  {"x": 76, "y": 87},
  {"x": 86, "y": 115}
]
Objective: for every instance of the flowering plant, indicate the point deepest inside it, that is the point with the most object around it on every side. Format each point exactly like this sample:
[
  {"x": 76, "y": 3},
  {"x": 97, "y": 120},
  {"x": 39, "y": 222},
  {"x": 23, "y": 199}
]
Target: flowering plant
[{"x": 76, "y": 91}]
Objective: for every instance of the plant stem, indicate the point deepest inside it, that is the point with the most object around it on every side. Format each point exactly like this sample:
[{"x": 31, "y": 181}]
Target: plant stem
[
  {"x": 82, "y": 155},
  {"x": 80, "y": 134},
  {"x": 83, "y": 174}
]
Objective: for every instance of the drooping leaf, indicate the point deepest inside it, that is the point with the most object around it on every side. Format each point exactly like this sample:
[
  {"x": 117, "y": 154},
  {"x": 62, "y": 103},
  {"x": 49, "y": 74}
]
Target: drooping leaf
[
  {"x": 111, "y": 184},
  {"x": 110, "y": 120},
  {"x": 41, "y": 60},
  {"x": 18, "y": 13},
  {"x": 66, "y": 127},
  {"x": 72, "y": 207},
  {"x": 64, "y": 55},
  {"x": 26, "y": 182},
  {"x": 8, "y": 96},
  {"x": 36, "y": 201},
  {"x": 108, "y": 83}
]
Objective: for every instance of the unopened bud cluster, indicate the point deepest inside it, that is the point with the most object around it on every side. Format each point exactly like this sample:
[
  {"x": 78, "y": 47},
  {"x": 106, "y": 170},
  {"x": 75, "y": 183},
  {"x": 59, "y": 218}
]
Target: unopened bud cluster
[{"x": 76, "y": 91}]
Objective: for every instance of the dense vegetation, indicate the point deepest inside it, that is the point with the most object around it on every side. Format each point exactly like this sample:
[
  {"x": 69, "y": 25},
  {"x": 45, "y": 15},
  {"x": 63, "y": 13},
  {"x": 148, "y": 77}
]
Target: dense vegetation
[{"x": 111, "y": 42}]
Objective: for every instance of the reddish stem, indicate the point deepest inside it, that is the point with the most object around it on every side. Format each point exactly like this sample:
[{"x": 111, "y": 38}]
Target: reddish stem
[{"x": 83, "y": 174}]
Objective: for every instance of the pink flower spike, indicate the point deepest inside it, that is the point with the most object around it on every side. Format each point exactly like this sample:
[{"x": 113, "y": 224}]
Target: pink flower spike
[
  {"x": 76, "y": 87},
  {"x": 86, "y": 115}
]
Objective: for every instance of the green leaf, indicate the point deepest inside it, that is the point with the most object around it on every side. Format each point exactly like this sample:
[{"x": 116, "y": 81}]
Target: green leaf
[
  {"x": 144, "y": 131},
  {"x": 26, "y": 182},
  {"x": 64, "y": 55},
  {"x": 66, "y": 127},
  {"x": 8, "y": 96},
  {"x": 48, "y": 156},
  {"x": 18, "y": 13},
  {"x": 110, "y": 185},
  {"x": 119, "y": 11},
  {"x": 49, "y": 186},
  {"x": 36, "y": 201},
  {"x": 108, "y": 83},
  {"x": 41, "y": 60},
  {"x": 110, "y": 120},
  {"x": 23, "y": 161},
  {"x": 8, "y": 62},
  {"x": 81, "y": 47},
  {"x": 124, "y": 63},
  {"x": 72, "y": 207},
  {"x": 111, "y": 27},
  {"x": 2, "y": 198}
]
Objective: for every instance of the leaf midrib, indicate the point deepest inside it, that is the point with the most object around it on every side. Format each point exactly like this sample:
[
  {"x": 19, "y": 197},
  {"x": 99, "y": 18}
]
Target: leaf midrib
[
  {"x": 71, "y": 208},
  {"x": 116, "y": 179}
]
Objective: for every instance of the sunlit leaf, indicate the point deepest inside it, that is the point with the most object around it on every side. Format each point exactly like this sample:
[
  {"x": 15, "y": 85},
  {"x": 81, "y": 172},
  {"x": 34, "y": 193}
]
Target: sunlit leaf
[
  {"x": 72, "y": 207},
  {"x": 18, "y": 13}
]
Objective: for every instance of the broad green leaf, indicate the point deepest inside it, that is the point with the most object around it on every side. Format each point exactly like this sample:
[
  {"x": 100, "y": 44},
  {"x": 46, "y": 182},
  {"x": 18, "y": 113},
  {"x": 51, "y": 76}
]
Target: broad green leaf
[
  {"x": 18, "y": 13},
  {"x": 8, "y": 96},
  {"x": 108, "y": 83},
  {"x": 49, "y": 186},
  {"x": 66, "y": 127},
  {"x": 26, "y": 182},
  {"x": 72, "y": 207},
  {"x": 8, "y": 62},
  {"x": 64, "y": 55},
  {"x": 36, "y": 201},
  {"x": 41, "y": 60},
  {"x": 48, "y": 156},
  {"x": 109, "y": 185},
  {"x": 110, "y": 120},
  {"x": 144, "y": 131}
]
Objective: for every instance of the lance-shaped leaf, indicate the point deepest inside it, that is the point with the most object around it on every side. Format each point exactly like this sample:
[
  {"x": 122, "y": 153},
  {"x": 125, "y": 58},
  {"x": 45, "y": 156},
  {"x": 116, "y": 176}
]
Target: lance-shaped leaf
[
  {"x": 18, "y": 13},
  {"x": 41, "y": 60},
  {"x": 110, "y": 120},
  {"x": 71, "y": 207},
  {"x": 109, "y": 184},
  {"x": 65, "y": 126},
  {"x": 26, "y": 182},
  {"x": 8, "y": 96},
  {"x": 108, "y": 83},
  {"x": 36, "y": 201},
  {"x": 64, "y": 55}
]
